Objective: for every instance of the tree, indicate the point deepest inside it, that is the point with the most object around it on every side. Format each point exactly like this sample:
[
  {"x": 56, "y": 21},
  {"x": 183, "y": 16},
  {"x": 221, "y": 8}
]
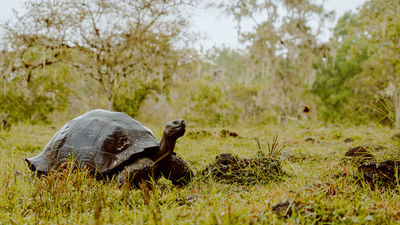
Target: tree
[
  {"x": 127, "y": 47},
  {"x": 363, "y": 71},
  {"x": 334, "y": 71},
  {"x": 34, "y": 92},
  {"x": 282, "y": 46},
  {"x": 380, "y": 26}
]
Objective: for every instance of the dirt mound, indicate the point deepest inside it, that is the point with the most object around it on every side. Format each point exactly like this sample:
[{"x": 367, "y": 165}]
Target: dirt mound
[
  {"x": 228, "y": 133},
  {"x": 359, "y": 151},
  {"x": 359, "y": 154},
  {"x": 385, "y": 172},
  {"x": 232, "y": 169}
]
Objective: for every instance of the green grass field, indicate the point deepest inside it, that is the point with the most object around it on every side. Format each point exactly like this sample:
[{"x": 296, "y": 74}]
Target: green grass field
[{"x": 73, "y": 197}]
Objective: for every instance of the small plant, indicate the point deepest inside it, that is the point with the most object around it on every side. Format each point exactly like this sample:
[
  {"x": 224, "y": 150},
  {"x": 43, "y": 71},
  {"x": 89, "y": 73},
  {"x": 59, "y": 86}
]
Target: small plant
[
  {"x": 273, "y": 148},
  {"x": 385, "y": 111}
]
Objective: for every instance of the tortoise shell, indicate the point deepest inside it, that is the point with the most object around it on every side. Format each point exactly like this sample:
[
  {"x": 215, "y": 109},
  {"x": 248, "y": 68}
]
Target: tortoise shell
[{"x": 101, "y": 140}]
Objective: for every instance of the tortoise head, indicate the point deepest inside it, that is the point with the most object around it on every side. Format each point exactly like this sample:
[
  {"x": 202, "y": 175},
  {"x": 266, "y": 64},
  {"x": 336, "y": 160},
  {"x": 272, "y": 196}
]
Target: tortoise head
[{"x": 175, "y": 128}]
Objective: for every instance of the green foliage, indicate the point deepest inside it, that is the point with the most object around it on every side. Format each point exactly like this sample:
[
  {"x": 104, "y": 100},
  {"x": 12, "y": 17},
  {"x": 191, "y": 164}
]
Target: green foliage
[
  {"x": 18, "y": 107},
  {"x": 129, "y": 102},
  {"x": 380, "y": 27},
  {"x": 226, "y": 64},
  {"x": 335, "y": 70},
  {"x": 48, "y": 67},
  {"x": 208, "y": 103},
  {"x": 361, "y": 66},
  {"x": 107, "y": 46},
  {"x": 280, "y": 48},
  {"x": 31, "y": 95},
  {"x": 220, "y": 93}
]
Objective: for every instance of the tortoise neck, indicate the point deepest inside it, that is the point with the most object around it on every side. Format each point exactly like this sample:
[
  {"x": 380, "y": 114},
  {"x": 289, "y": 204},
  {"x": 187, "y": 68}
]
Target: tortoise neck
[{"x": 167, "y": 146}]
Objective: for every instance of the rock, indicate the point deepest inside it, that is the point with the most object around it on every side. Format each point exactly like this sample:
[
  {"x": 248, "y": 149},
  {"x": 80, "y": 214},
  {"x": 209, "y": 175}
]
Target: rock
[
  {"x": 312, "y": 140},
  {"x": 348, "y": 140}
]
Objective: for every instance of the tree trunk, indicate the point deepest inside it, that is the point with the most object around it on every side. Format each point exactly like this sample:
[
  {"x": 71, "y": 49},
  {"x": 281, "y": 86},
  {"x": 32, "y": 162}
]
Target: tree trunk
[
  {"x": 110, "y": 101},
  {"x": 110, "y": 105},
  {"x": 285, "y": 111}
]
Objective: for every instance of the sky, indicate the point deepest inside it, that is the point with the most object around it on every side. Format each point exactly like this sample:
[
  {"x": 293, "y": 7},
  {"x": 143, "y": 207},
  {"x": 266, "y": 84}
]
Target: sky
[{"x": 218, "y": 30}]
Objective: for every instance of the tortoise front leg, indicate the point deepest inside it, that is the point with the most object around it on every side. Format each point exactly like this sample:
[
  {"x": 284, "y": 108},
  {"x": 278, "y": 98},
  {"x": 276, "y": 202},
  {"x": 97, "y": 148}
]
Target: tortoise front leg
[
  {"x": 140, "y": 170},
  {"x": 175, "y": 169}
]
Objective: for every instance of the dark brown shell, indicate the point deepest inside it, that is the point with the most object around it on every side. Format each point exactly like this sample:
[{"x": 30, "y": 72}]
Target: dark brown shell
[{"x": 100, "y": 139}]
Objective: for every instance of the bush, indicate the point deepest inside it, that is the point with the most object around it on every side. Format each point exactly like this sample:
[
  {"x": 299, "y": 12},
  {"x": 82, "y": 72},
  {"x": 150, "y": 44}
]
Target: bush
[{"x": 130, "y": 103}]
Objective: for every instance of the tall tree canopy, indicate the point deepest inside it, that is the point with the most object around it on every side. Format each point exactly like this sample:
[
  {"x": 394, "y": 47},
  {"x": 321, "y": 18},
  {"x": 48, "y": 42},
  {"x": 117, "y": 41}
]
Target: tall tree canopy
[
  {"x": 281, "y": 47},
  {"x": 128, "y": 47},
  {"x": 362, "y": 73}
]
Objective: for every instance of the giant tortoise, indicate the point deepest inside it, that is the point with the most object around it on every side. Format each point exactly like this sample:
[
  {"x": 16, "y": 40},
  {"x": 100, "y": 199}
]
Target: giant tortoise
[{"x": 114, "y": 144}]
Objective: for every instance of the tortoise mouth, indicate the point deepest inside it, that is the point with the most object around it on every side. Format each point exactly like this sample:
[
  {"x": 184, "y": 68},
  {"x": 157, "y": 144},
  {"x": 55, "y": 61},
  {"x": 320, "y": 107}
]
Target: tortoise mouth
[
  {"x": 175, "y": 128},
  {"x": 180, "y": 131},
  {"x": 180, "y": 127},
  {"x": 176, "y": 131}
]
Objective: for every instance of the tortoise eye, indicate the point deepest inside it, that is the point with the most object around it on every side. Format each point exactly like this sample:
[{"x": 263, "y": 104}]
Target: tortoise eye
[{"x": 175, "y": 122}]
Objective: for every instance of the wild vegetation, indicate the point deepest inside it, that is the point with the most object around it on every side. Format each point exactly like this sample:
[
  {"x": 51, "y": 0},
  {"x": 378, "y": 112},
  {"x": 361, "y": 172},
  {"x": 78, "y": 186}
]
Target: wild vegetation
[
  {"x": 317, "y": 178},
  {"x": 62, "y": 58},
  {"x": 139, "y": 57}
]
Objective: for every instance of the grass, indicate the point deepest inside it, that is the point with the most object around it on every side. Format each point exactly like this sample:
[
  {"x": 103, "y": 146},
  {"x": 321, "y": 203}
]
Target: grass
[{"x": 322, "y": 198}]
